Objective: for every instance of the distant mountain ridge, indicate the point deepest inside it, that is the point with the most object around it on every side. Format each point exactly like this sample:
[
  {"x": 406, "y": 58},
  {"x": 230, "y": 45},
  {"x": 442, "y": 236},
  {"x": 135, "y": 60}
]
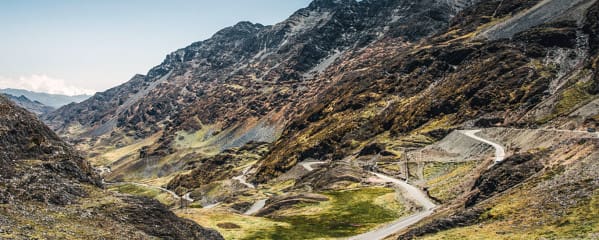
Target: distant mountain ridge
[
  {"x": 33, "y": 106},
  {"x": 52, "y": 100}
]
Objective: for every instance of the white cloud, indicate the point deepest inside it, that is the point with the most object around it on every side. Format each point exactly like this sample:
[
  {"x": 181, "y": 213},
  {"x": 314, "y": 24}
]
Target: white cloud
[{"x": 43, "y": 83}]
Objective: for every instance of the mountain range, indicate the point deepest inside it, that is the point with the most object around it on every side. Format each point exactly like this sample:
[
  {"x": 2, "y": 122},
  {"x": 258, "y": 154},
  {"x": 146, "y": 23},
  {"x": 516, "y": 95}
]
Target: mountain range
[
  {"x": 51, "y": 100},
  {"x": 433, "y": 119},
  {"x": 32, "y": 106}
]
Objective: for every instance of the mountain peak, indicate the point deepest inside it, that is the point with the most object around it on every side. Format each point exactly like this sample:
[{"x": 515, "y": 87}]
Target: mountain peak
[
  {"x": 330, "y": 3},
  {"x": 248, "y": 25}
]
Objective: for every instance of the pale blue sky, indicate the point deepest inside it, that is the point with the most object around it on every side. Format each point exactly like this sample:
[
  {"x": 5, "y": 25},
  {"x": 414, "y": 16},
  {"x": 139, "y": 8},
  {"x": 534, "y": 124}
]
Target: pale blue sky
[{"x": 79, "y": 45}]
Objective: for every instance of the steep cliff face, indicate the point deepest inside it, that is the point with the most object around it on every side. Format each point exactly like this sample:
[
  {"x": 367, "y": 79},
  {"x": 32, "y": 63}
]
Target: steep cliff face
[
  {"x": 48, "y": 191},
  {"x": 246, "y": 82}
]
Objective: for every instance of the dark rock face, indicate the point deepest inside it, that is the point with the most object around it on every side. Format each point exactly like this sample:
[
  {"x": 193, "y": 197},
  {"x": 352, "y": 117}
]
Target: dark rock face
[
  {"x": 151, "y": 217},
  {"x": 96, "y": 110},
  {"x": 25, "y": 136},
  {"x": 461, "y": 218},
  {"x": 503, "y": 176},
  {"x": 591, "y": 27}
]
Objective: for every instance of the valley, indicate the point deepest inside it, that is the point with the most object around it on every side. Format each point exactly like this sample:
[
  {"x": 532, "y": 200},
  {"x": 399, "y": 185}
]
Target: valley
[
  {"x": 379, "y": 119},
  {"x": 478, "y": 149}
]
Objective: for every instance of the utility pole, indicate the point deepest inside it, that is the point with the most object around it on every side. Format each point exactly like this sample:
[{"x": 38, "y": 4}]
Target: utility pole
[{"x": 407, "y": 167}]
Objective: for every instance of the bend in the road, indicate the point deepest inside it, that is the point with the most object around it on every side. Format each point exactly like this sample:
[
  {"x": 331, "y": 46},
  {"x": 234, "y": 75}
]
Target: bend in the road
[
  {"x": 243, "y": 181},
  {"x": 256, "y": 207},
  {"x": 187, "y": 197},
  {"x": 411, "y": 192},
  {"x": 309, "y": 165},
  {"x": 212, "y": 205},
  {"x": 499, "y": 150},
  {"x": 242, "y": 178}
]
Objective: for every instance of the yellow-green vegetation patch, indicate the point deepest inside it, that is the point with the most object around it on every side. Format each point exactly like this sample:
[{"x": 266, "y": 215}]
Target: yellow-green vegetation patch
[
  {"x": 573, "y": 97},
  {"x": 347, "y": 213},
  {"x": 132, "y": 189},
  {"x": 218, "y": 219},
  {"x": 234, "y": 86},
  {"x": 135, "y": 190},
  {"x": 546, "y": 71},
  {"x": 111, "y": 154},
  {"x": 202, "y": 139},
  {"x": 444, "y": 180},
  {"x": 510, "y": 220},
  {"x": 46, "y": 223},
  {"x": 441, "y": 123},
  {"x": 412, "y": 170},
  {"x": 166, "y": 199},
  {"x": 278, "y": 187},
  {"x": 392, "y": 143},
  {"x": 394, "y": 166}
]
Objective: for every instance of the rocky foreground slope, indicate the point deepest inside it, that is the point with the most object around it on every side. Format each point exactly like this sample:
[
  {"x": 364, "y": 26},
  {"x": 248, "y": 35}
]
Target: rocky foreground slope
[
  {"x": 47, "y": 191},
  {"x": 369, "y": 86}
]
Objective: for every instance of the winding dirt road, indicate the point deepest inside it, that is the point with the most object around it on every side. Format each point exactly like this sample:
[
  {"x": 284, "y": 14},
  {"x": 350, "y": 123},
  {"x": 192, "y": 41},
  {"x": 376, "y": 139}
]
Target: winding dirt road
[
  {"x": 419, "y": 197},
  {"x": 256, "y": 207},
  {"x": 242, "y": 179},
  {"x": 186, "y": 197},
  {"x": 411, "y": 192},
  {"x": 212, "y": 205},
  {"x": 499, "y": 150},
  {"x": 308, "y": 165}
]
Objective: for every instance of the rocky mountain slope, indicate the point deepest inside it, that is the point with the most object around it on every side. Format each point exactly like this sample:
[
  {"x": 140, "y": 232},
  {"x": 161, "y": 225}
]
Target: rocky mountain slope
[
  {"x": 52, "y": 100},
  {"x": 361, "y": 86},
  {"x": 33, "y": 106},
  {"x": 250, "y": 80},
  {"x": 451, "y": 79},
  {"x": 49, "y": 192}
]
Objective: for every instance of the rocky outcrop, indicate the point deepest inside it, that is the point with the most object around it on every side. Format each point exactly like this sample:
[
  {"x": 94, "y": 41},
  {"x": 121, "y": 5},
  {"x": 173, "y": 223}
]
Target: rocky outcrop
[
  {"x": 503, "y": 176},
  {"x": 146, "y": 214}
]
